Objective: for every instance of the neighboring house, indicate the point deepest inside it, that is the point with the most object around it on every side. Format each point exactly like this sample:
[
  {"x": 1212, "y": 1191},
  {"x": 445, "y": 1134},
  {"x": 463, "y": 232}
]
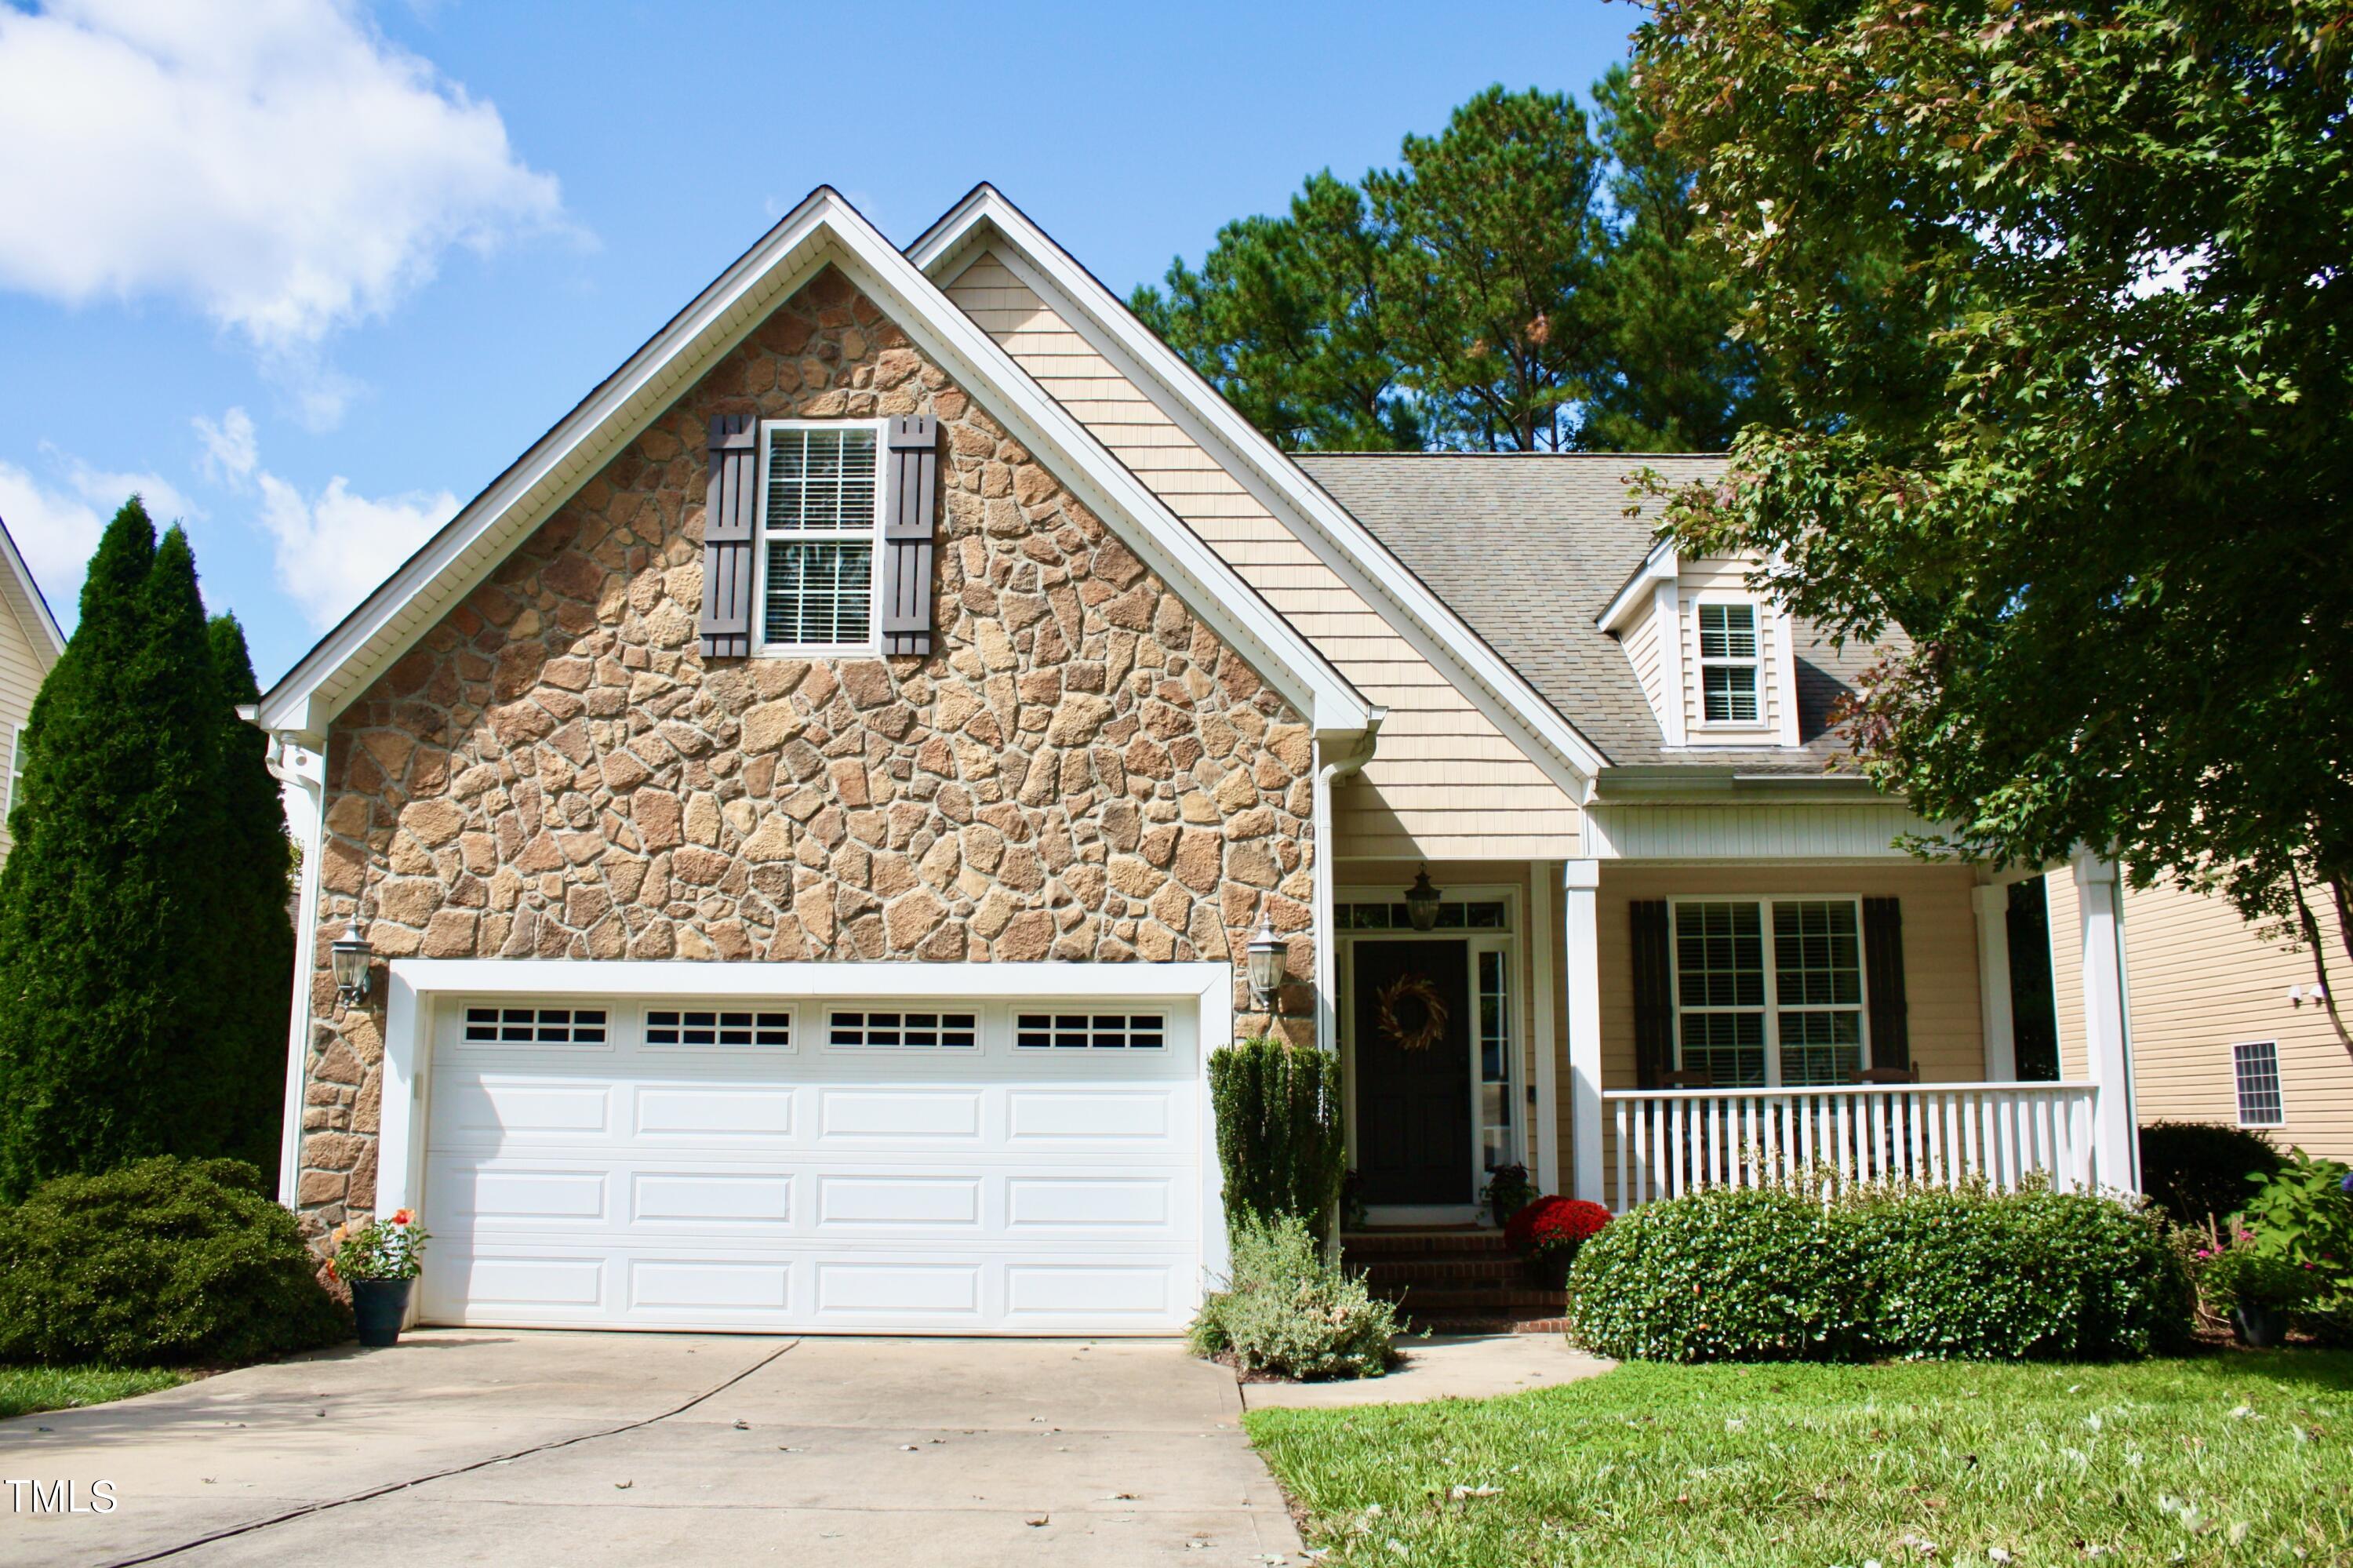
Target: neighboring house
[
  {"x": 2227, "y": 1024},
  {"x": 30, "y": 645},
  {"x": 816, "y": 804}
]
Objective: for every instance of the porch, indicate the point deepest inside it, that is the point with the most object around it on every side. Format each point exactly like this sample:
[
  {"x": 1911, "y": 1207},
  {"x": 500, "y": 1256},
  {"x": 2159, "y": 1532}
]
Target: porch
[{"x": 1634, "y": 1030}]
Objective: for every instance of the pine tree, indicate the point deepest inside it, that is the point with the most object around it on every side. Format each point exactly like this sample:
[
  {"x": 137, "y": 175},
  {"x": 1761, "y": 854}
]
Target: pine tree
[
  {"x": 255, "y": 940},
  {"x": 108, "y": 955}
]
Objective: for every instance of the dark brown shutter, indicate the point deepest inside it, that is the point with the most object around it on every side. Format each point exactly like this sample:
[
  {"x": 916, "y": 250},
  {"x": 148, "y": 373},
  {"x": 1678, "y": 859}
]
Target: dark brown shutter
[
  {"x": 1883, "y": 968},
  {"x": 906, "y": 575},
  {"x": 727, "y": 537},
  {"x": 1654, "y": 996}
]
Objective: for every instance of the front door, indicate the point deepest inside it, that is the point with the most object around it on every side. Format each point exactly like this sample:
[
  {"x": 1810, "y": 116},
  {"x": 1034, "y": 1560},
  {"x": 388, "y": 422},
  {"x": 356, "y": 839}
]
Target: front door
[{"x": 1411, "y": 1021}]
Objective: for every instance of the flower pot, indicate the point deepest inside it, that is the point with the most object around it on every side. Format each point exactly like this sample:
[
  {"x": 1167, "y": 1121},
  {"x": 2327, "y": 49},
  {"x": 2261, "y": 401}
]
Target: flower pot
[
  {"x": 2262, "y": 1327},
  {"x": 378, "y": 1306},
  {"x": 1551, "y": 1269}
]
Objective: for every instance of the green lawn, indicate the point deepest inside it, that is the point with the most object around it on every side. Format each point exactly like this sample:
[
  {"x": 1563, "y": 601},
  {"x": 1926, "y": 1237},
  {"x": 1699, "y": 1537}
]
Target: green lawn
[
  {"x": 23, "y": 1390},
  {"x": 2227, "y": 1459}
]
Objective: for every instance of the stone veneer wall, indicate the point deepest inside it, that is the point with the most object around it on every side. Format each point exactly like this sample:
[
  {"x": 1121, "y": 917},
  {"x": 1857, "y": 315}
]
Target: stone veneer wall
[{"x": 1080, "y": 770}]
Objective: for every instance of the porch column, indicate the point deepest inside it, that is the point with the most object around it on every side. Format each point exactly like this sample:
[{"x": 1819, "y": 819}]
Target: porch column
[
  {"x": 1544, "y": 1102},
  {"x": 1992, "y": 905},
  {"x": 2107, "y": 1048},
  {"x": 1580, "y": 977}
]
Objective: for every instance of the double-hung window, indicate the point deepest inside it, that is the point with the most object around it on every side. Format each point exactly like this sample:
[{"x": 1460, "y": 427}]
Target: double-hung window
[
  {"x": 1728, "y": 663},
  {"x": 2254, "y": 1064},
  {"x": 1768, "y": 991},
  {"x": 820, "y": 526}
]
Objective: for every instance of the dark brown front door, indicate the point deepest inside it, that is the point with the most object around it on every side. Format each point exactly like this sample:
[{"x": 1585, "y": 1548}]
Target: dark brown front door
[{"x": 1411, "y": 1020}]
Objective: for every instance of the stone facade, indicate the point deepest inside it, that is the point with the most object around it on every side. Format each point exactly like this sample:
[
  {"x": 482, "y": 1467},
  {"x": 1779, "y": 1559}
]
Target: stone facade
[{"x": 1080, "y": 770}]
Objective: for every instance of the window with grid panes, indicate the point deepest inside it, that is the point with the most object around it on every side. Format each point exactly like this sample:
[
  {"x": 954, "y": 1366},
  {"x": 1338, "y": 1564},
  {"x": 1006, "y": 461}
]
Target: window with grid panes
[
  {"x": 1769, "y": 991},
  {"x": 1817, "y": 990},
  {"x": 1727, "y": 663},
  {"x": 2255, "y": 1066},
  {"x": 819, "y": 523}
]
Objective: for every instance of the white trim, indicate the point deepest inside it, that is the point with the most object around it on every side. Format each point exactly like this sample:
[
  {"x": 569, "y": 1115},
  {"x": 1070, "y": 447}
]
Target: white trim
[
  {"x": 304, "y": 775},
  {"x": 2107, "y": 1048},
  {"x": 47, "y": 641},
  {"x": 823, "y": 229},
  {"x": 1327, "y": 529},
  {"x": 2238, "y": 1087},
  {"x": 1771, "y": 1005},
  {"x": 1544, "y": 1111},
  {"x": 1667, "y": 619},
  {"x": 1725, "y": 598},
  {"x": 1660, "y": 567},
  {"x": 761, "y": 539},
  {"x": 1321, "y": 916},
  {"x": 1581, "y": 976}
]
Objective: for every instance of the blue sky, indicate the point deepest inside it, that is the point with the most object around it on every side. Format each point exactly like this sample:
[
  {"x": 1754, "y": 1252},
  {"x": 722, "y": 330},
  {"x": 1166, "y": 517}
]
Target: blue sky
[{"x": 309, "y": 274}]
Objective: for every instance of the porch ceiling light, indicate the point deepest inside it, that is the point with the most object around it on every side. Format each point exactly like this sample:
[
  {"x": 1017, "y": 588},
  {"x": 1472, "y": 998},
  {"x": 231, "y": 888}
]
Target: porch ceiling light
[
  {"x": 349, "y": 955},
  {"x": 1421, "y": 902},
  {"x": 1266, "y": 959}
]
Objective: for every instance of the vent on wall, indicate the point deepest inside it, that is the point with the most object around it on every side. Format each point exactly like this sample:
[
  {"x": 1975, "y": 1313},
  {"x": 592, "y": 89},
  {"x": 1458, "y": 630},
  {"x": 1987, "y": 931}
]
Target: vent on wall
[
  {"x": 696, "y": 1027},
  {"x": 2256, "y": 1067},
  {"x": 535, "y": 1025},
  {"x": 895, "y": 1030},
  {"x": 1090, "y": 1031}
]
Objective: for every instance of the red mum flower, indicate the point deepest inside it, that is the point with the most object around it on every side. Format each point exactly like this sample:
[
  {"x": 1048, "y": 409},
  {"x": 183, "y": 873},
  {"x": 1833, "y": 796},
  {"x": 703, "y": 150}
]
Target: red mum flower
[{"x": 1550, "y": 1223}]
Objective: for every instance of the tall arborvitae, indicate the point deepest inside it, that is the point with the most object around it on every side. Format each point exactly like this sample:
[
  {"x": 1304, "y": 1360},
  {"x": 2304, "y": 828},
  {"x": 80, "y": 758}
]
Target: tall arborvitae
[
  {"x": 109, "y": 955},
  {"x": 256, "y": 936}
]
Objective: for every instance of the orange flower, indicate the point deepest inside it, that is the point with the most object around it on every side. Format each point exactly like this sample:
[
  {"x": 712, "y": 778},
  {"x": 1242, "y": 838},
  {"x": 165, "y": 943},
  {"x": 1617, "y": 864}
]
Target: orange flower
[{"x": 402, "y": 1217}]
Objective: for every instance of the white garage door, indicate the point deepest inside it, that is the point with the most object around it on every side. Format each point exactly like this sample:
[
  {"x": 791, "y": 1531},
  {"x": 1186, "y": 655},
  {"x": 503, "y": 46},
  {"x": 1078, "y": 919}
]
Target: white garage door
[{"x": 856, "y": 1165}]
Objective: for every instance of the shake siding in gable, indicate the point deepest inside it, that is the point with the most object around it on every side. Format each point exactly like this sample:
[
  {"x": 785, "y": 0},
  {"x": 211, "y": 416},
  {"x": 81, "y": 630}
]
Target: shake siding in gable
[{"x": 1446, "y": 783}]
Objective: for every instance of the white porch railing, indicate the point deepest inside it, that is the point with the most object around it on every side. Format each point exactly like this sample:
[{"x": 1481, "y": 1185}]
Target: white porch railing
[{"x": 1670, "y": 1141}]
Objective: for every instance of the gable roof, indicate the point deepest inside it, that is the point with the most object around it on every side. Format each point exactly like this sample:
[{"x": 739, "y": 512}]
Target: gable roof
[
  {"x": 1452, "y": 644},
  {"x": 1555, "y": 543},
  {"x": 824, "y": 230},
  {"x": 24, "y": 601}
]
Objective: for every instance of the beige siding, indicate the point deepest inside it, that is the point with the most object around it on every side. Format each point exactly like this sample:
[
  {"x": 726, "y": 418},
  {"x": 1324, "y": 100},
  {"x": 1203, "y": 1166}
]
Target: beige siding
[
  {"x": 1940, "y": 955},
  {"x": 2201, "y": 981},
  {"x": 1716, "y": 576},
  {"x": 1446, "y": 782},
  {"x": 1642, "y": 645},
  {"x": 21, "y": 669}
]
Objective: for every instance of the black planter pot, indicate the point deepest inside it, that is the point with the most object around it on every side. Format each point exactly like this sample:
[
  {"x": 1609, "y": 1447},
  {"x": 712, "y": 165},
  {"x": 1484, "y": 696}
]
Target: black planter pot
[
  {"x": 2264, "y": 1328},
  {"x": 1551, "y": 1269},
  {"x": 378, "y": 1306}
]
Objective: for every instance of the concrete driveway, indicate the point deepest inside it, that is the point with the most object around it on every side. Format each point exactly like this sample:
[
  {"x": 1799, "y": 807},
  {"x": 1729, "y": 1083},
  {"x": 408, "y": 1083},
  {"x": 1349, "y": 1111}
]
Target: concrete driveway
[{"x": 511, "y": 1448}]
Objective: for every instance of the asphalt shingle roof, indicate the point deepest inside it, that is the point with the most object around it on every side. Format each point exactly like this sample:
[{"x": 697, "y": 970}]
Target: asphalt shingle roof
[{"x": 1529, "y": 549}]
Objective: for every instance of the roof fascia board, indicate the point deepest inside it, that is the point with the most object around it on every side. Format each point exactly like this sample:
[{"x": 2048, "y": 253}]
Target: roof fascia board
[
  {"x": 1331, "y": 533},
  {"x": 1663, "y": 565},
  {"x": 824, "y": 228},
  {"x": 45, "y": 638}
]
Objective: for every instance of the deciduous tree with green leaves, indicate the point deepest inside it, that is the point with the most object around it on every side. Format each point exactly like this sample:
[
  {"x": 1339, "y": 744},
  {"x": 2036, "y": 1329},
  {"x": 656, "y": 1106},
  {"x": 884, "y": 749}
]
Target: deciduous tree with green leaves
[{"x": 2058, "y": 293}]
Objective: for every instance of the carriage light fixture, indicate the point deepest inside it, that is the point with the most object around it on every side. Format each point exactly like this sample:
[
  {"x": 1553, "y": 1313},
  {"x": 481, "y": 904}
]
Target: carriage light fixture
[
  {"x": 349, "y": 956},
  {"x": 1421, "y": 902},
  {"x": 1266, "y": 959}
]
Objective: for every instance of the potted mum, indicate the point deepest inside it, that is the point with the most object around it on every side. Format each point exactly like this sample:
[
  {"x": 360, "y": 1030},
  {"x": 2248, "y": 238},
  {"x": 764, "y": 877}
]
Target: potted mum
[
  {"x": 1548, "y": 1233},
  {"x": 2260, "y": 1288},
  {"x": 379, "y": 1259}
]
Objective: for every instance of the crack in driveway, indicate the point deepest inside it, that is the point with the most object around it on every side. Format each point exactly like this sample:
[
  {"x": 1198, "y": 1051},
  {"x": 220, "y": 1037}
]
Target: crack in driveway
[{"x": 307, "y": 1509}]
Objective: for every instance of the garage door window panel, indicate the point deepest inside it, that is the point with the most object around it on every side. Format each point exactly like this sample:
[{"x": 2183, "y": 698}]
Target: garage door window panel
[
  {"x": 895, "y": 1030},
  {"x": 717, "y": 1028}
]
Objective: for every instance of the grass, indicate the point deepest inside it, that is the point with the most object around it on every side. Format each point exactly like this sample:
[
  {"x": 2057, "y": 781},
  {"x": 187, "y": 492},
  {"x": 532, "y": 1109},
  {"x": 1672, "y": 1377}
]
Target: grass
[
  {"x": 2225, "y": 1459},
  {"x": 23, "y": 1390}
]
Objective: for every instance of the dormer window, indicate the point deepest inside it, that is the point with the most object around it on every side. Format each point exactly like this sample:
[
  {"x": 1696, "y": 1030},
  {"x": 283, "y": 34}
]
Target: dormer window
[{"x": 1728, "y": 663}]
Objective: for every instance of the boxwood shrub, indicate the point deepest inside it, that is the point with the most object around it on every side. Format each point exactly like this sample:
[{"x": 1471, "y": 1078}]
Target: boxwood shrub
[
  {"x": 166, "y": 1262},
  {"x": 1913, "y": 1271}
]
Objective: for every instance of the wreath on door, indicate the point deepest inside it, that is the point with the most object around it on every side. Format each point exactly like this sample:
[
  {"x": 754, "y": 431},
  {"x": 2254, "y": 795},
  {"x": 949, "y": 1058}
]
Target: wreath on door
[{"x": 1412, "y": 1013}]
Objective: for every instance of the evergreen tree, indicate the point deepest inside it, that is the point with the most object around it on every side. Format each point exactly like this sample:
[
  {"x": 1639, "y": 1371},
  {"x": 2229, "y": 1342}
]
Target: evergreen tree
[
  {"x": 108, "y": 962},
  {"x": 255, "y": 937}
]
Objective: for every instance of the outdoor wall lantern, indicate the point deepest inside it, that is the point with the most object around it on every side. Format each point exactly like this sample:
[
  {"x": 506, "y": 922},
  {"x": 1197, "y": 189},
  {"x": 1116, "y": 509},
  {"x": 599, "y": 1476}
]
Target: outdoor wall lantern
[
  {"x": 349, "y": 956},
  {"x": 1421, "y": 902},
  {"x": 1267, "y": 957}
]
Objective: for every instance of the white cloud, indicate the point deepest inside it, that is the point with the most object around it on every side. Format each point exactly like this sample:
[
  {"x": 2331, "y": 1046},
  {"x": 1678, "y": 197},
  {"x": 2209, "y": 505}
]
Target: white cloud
[
  {"x": 56, "y": 524},
  {"x": 278, "y": 163},
  {"x": 334, "y": 548},
  {"x": 230, "y": 450}
]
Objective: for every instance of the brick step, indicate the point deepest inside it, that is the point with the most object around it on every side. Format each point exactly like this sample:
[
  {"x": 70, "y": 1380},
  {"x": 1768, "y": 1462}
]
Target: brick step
[
  {"x": 1381, "y": 1271},
  {"x": 1440, "y": 1299},
  {"x": 1367, "y": 1244},
  {"x": 1486, "y": 1324}
]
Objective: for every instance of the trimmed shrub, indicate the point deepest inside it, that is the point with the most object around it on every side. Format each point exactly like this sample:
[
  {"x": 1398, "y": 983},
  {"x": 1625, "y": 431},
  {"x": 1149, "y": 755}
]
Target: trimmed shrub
[
  {"x": 1913, "y": 1272},
  {"x": 2026, "y": 1276},
  {"x": 1280, "y": 1144},
  {"x": 167, "y": 1262},
  {"x": 1287, "y": 1311},
  {"x": 2197, "y": 1170},
  {"x": 1729, "y": 1274}
]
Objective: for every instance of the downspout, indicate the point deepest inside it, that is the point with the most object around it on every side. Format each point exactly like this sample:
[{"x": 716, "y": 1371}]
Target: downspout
[
  {"x": 1327, "y": 939},
  {"x": 305, "y": 771}
]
